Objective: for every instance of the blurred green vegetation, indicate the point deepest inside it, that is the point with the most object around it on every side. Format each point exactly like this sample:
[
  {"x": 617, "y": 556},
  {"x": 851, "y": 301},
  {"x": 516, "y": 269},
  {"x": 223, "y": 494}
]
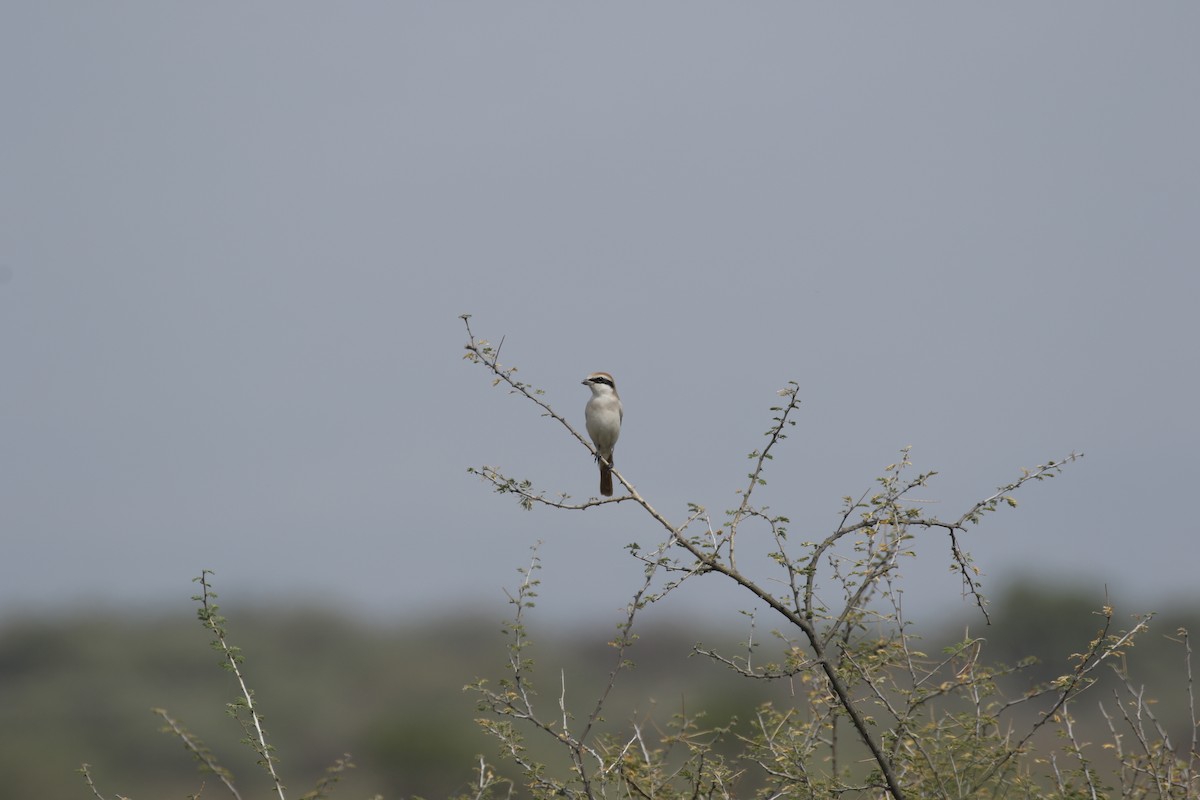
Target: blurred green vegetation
[{"x": 80, "y": 689}]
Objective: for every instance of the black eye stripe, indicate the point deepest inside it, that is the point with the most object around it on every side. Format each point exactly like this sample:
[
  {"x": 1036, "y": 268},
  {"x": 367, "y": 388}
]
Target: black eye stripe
[{"x": 601, "y": 380}]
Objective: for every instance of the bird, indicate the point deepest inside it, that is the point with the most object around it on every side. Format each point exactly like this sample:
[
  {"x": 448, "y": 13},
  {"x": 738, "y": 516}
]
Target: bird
[{"x": 603, "y": 415}]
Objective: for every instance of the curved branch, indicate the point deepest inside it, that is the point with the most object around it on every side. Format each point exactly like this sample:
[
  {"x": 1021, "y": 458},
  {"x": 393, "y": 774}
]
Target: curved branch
[{"x": 882, "y": 510}]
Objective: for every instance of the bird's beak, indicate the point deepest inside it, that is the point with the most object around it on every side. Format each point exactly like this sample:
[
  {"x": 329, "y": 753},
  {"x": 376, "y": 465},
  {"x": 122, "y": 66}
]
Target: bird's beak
[{"x": 584, "y": 382}]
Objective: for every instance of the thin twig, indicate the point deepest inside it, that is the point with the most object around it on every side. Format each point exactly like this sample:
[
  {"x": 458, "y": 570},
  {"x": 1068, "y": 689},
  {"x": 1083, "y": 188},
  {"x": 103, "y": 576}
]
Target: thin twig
[
  {"x": 208, "y": 614},
  {"x": 199, "y": 751}
]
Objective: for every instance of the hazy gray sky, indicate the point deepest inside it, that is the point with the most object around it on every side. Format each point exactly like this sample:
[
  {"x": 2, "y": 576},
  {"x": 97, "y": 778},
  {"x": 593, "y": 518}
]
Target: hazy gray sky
[{"x": 235, "y": 241}]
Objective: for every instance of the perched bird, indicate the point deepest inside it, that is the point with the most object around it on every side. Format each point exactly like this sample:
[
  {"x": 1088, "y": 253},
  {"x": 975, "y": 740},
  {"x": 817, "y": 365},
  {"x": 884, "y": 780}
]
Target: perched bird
[{"x": 603, "y": 415}]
